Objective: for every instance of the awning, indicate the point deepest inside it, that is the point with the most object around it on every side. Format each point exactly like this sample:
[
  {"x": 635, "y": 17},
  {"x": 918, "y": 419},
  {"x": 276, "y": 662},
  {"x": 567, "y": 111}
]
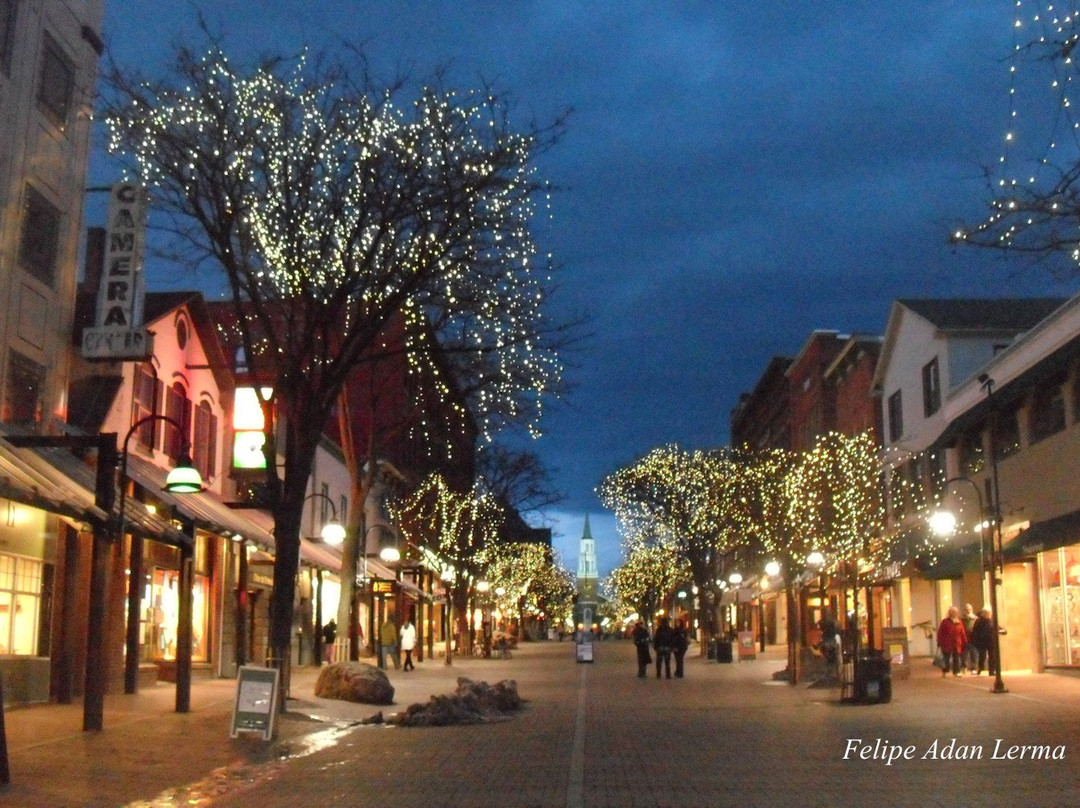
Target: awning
[
  {"x": 314, "y": 553},
  {"x": 1048, "y": 534},
  {"x": 57, "y": 481},
  {"x": 950, "y": 561},
  {"x": 204, "y": 509}
]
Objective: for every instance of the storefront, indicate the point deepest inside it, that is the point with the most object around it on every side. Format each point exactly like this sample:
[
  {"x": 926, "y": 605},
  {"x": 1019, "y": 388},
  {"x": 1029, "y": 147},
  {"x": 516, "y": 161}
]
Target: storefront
[
  {"x": 160, "y": 602},
  {"x": 1059, "y": 595}
]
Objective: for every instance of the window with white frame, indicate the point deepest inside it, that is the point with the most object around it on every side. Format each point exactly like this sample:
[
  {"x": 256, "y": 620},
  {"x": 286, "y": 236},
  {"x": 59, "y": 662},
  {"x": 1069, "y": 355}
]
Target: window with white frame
[{"x": 20, "y": 604}]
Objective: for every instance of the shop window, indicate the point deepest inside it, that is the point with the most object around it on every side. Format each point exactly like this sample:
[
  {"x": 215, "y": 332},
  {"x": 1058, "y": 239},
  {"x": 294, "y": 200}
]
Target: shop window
[
  {"x": 1048, "y": 410},
  {"x": 20, "y": 604},
  {"x": 1005, "y": 434},
  {"x": 931, "y": 382},
  {"x": 972, "y": 456},
  {"x": 1059, "y": 580},
  {"x": 204, "y": 449},
  {"x": 23, "y": 390},
  {"x": 7, "y": 33},
  {"x": 161, "y": 616},
  {"x": 178, "y": 409},
  {"x": 144, "y": 403},
  {"x": 40, "y": 237},
  {"x": 896, "y": 417},
  {"x": 56, "y": 83}
]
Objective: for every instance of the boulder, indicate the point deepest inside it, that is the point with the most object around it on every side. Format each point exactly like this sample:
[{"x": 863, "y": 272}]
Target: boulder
[{"x": 354, "y": 681}]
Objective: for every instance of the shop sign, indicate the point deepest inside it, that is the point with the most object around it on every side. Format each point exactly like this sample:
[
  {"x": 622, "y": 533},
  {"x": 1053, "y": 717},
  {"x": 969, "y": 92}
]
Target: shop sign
[
  {"x": 256, "y": 697},
  {"x": 118, "y": 331},
  {"x": 382, "y": 587}
]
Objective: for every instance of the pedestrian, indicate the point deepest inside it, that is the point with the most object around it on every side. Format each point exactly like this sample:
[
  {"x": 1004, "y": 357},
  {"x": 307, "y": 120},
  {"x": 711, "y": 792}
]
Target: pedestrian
[
  {"x": 641, "y": 642},
  {"x": 664, "y": 643},
  {"x": 951, "y": 639},
  {"x": 329, "y": 634},
  {"x": 982, "y": 640},
  {"x": 388, "y": 642},
  {"x": 968, "y": 618},
  {"x": 830, "y": 642},
  {"x": 408, "y": 643},
  {"x": 682, "y": 642}
]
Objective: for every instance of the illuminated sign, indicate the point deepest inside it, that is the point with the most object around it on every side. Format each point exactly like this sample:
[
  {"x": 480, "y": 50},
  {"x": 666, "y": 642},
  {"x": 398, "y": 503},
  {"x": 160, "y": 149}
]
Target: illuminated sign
[
  {"x": 248, "y": 429},
  {"x": 382, "y": 587}
]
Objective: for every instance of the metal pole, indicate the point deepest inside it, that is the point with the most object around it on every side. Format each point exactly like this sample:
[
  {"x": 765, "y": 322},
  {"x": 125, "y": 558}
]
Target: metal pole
[{"x": 996, "y": 559}]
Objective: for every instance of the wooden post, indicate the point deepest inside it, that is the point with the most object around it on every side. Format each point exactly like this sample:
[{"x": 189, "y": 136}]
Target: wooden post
[{"x": 184, "y": 627}]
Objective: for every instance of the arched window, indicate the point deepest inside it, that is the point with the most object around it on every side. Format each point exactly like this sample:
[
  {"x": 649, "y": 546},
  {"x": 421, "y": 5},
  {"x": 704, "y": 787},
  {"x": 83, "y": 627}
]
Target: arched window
[
  {"x": 204, "y": 448},
  {"x": 178, "y": 408},
  {"x": 144, "y": 401}
]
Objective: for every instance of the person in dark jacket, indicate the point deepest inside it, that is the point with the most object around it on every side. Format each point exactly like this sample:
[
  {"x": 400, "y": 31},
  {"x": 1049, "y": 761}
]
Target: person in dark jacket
[
  {"x": 664, "y": 643},
  {"x": 951, "y": 639},
  {"x": 641, "y": 642},
  {"x": 682, "y": 642},
  {"x": 982, "y": 640}
]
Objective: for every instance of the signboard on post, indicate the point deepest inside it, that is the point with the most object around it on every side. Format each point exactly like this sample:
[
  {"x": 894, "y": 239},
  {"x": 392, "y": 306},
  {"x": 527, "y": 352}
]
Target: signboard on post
[
  {"x": 118, "y": 331},
  {"x": 256, "y": 701},
  {"x": 747, "y": 648}
]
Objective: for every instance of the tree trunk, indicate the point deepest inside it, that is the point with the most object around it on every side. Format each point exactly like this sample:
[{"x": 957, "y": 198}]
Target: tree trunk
[{"x": 302, "y": 439}]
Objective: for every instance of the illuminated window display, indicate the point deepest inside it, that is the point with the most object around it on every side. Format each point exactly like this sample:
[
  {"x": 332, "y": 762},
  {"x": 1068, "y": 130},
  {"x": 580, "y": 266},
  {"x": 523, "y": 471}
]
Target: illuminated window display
[
  {"x": 20, "y": 604},
  {"x": 1059, "y": 577},
  {"x": 161, "y": 613}
]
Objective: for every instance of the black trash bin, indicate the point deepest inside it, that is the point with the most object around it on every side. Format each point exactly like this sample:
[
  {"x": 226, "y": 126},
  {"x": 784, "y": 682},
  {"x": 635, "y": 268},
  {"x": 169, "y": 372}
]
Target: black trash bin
[
  {"x": 723, "y": 651},
  {"x": 873, "y": 680}
]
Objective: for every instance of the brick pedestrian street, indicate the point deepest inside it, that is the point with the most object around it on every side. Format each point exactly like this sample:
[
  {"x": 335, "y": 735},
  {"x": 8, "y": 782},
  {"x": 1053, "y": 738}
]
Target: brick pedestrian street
[{"x": 591, "y": 735}]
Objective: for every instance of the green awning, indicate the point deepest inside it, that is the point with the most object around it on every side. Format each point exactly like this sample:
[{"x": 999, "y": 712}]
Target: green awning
[{"x": 1048, "y": 534}]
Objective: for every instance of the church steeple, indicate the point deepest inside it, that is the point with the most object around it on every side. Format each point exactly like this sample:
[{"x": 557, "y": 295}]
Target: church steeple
[{"x": 586, "y": 556}]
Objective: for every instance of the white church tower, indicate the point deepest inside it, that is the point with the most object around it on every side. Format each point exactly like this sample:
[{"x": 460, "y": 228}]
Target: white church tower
[{"x": 588, "y": 585}]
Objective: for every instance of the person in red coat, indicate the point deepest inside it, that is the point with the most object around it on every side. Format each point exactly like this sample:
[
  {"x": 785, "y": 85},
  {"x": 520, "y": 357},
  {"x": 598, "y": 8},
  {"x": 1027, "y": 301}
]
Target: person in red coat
[{"x": 952, "y": 639}]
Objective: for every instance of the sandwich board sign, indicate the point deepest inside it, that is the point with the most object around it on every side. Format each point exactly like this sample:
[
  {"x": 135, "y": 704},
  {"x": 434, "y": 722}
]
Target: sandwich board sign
[{"x": 256, "y": 701}]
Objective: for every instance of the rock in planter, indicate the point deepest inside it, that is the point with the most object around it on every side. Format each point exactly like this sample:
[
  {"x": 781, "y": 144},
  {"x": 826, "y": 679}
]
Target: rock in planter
[{"x": 354, "y": 681}]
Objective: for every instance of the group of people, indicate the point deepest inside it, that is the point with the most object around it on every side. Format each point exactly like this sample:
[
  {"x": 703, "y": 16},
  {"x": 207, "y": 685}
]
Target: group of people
[
  {"x": 966, "y": 642},
  {"x": 668, "y": 641},
  {"x": 391, "y": 641}
]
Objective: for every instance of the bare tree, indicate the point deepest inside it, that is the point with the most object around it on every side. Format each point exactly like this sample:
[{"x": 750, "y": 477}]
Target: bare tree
[
  {"x": 1033, "y": 193},
  {"x": 328, "y": 208}
]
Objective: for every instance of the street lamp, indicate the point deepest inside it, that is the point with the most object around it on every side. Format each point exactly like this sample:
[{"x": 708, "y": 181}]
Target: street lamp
[
  {"x": 944, "y": 523},
  {"x": 332, "y": 532},
  {"x": 184, "y": 478}
]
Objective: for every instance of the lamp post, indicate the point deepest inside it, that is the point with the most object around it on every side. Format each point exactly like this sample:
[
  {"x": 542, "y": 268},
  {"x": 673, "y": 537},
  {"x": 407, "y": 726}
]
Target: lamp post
[
  {"x": 182, "y": 479},
  {"x": 332, "y": 533},
  {"x": 944, "y": 523}
]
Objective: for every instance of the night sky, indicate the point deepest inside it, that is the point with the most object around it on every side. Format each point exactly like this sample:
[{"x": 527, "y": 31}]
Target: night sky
[{"x": 734, "y": 175}]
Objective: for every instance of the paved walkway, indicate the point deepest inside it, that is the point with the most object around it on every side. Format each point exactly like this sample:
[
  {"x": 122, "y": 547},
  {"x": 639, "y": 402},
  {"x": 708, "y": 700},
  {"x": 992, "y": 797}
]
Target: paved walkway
[{"x": 591, "y": 735}]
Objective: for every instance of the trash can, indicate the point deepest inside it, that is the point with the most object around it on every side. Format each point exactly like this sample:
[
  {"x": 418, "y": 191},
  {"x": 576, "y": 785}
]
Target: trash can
[
  {"x": 723, "y": 651},
  {"x": 873, "y": 680},
  {"x": 711, "y": 648}
]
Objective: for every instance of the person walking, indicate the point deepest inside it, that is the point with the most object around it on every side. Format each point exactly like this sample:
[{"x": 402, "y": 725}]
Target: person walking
[
  {"x": 968, "y": 618},
  {"x": 641, "y": 642},
  {"x": 408, "y": 643},
  {"x": 682, "y": 642},
  {"x": 951, "y": 639},
  {"x": 329, "y": 634},
  {"x": 664, "y": 643},
  {"x": 982, "y": 641},
  {"x": 388, "y": 641}
]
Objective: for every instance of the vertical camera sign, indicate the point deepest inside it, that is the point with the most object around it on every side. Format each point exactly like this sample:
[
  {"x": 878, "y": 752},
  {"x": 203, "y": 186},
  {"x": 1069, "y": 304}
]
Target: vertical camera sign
[{"x": 118, "y": 331}]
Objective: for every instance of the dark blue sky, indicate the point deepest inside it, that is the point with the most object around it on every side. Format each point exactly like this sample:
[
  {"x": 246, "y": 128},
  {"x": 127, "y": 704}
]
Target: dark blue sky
[{"x": 735, "y": 175}]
